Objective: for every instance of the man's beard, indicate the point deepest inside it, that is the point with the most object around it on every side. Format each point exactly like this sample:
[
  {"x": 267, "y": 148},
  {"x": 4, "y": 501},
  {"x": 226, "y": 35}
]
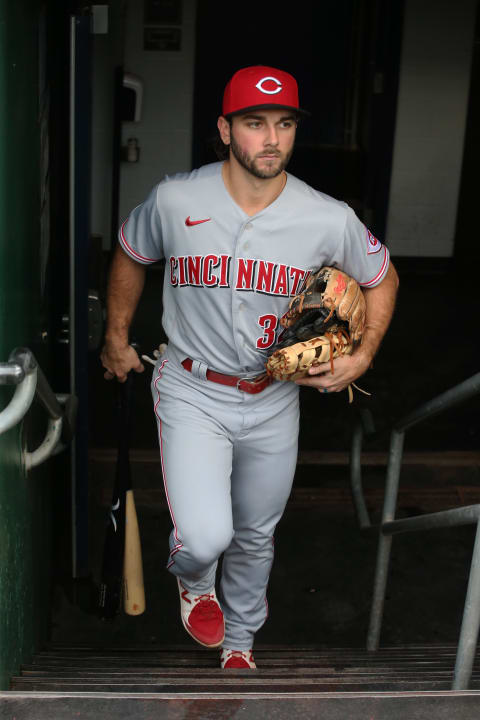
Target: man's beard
[{"x": 250, "y": 164}]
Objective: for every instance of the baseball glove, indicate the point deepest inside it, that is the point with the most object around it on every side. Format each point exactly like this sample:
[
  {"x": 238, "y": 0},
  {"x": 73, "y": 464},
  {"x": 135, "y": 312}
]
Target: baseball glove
[{"x": 324, "y": 322}]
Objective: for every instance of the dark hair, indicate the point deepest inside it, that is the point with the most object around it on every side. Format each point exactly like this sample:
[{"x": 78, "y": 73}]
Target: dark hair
[{"x": 221, "y": 150}]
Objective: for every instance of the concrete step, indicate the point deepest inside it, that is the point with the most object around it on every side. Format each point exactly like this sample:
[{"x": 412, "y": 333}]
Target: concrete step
[
  {"x": 71, "y": 681},
  {"x": 279, "y": 669},
  {"x": 255, "y": 706}
]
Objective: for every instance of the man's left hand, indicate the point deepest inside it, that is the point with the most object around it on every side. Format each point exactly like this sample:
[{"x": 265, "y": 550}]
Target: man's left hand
[{"x": 346, "y": 370}]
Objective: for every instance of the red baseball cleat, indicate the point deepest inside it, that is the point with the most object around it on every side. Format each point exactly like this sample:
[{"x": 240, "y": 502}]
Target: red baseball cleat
[
  {"x": 239, "y": 659},
  {"x": 202, "y": 616}
]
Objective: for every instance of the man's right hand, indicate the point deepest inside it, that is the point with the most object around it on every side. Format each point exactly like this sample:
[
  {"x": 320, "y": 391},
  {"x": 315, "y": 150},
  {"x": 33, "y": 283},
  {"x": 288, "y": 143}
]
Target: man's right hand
[{"x": 118, "y": 360}]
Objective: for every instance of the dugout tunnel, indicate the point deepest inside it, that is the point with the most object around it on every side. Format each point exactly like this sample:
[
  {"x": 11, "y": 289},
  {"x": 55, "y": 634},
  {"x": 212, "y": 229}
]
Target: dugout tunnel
[{"x": 99, "y": 101}]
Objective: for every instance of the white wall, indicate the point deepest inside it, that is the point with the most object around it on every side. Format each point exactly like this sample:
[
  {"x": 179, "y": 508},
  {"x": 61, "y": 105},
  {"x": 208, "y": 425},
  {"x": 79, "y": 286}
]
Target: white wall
[
  {"x": 165, "y": 131},
  {"x": 432, "y": 108}
]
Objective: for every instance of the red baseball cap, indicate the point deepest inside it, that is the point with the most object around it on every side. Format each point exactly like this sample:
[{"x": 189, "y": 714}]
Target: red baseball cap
[{"x": 260, "y": 86}]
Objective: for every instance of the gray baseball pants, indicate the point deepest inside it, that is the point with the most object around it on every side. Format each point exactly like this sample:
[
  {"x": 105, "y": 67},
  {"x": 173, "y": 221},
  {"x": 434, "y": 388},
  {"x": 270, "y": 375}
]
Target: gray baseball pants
[{"x": 228, "y": 461}]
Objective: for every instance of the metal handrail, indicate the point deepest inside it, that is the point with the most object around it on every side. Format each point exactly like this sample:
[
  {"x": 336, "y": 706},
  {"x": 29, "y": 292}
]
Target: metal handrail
[
  {"x": 455, "y": 395},
  {"x": 364, "y": 425},
  {"x": 448, "y": 518},
  {"x": 23, "y": 371}
]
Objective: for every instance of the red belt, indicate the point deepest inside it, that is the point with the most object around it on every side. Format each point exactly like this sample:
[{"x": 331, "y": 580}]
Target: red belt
[{"x": 250, "y": 386}]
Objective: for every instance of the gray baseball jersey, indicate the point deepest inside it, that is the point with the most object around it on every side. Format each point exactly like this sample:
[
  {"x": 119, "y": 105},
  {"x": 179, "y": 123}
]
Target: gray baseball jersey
[
  {"x": 229, "y": 277},
  {"x": 228, "y": 457}
]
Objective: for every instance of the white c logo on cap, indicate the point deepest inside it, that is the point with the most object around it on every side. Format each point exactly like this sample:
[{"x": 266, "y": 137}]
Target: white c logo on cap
[{"x": 269, "y": 92}]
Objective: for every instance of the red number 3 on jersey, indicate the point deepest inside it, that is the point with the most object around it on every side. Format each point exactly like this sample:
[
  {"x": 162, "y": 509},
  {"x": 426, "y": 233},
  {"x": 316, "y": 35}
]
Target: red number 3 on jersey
[{"x": 269, "y": 324}]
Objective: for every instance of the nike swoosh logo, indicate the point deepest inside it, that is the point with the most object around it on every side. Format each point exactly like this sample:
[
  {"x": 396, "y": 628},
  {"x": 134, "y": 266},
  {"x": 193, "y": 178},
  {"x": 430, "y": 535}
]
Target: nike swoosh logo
[
  {"x": 112, "y": 516},
  {"x": 189, "y": 222}
]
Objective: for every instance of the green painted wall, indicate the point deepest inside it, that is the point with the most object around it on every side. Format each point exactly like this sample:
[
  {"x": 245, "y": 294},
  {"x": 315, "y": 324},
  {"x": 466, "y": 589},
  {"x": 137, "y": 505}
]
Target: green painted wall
[{"x": 24, "y": 500}]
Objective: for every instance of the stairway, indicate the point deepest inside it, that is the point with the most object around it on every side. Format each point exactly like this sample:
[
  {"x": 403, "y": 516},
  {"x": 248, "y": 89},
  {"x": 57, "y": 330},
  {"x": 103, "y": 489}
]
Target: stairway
[{"x": 290, "y": 682}]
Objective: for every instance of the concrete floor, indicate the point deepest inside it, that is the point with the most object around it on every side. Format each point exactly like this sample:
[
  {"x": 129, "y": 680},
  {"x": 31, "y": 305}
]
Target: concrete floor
[{"x": 320, "y": 586}]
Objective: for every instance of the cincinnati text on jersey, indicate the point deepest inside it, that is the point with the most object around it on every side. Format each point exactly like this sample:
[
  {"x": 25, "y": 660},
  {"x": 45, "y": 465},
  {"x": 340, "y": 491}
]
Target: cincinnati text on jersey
[{"x": 251, "y": 274}]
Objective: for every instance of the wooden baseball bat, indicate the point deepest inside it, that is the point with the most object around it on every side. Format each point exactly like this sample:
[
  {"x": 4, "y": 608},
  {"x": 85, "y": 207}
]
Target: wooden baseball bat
[
  {"x": 133, "y": 588},
  {"x": 122, "y": 559}
]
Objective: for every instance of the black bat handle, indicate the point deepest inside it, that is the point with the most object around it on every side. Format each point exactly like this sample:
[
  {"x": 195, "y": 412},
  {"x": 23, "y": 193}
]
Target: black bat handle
[{"x": 112, "y": 568}]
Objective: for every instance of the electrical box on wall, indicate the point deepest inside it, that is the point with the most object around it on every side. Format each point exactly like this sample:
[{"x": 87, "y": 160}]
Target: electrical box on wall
[{"x": 132, "y": 97}]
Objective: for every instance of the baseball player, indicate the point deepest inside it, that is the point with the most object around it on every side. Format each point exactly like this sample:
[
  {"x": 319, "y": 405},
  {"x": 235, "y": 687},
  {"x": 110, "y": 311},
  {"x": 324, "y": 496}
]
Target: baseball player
[{"x": 239, "y": 238}]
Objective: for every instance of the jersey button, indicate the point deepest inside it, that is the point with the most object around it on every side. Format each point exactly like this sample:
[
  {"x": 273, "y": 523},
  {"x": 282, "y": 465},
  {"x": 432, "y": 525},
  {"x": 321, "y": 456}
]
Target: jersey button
[{"x": 249, "y": 226}]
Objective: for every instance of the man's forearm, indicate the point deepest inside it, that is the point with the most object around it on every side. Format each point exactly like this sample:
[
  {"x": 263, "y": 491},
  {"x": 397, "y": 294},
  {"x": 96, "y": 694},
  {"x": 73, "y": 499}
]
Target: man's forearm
[
  {"x": 380, "y": 304},
  {"x": 125, "y": 286}
]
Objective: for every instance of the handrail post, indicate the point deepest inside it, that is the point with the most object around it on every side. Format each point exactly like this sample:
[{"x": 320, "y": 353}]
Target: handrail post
[
  {"x": 385, "y": 542},
  {"x": 356, "y": 477},
  {"x": 467, "y": 644}
]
